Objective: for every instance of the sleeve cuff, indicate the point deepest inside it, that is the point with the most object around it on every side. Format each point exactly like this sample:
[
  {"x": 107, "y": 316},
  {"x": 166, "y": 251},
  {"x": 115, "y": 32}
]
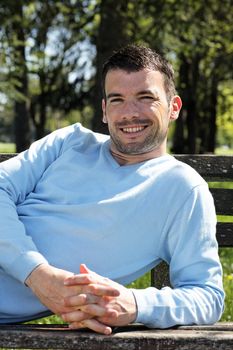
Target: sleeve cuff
[
  {"x": 145, "y": 306},
  {"x": 25, "y": 264}
]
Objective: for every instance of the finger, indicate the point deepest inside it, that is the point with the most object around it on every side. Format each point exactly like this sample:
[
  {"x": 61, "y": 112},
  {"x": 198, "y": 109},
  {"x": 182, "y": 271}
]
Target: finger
[
  {"x": 81, "y": 299},
  {"x": 93, "y": 325},
  {"x": 95, "y": 289},
  {"x": 75, "y": 316},
  {"x": 89, "y": 311},
  {"x": 99, "y": 279},
  {"x": 79, "y": 279},
  {"x": 99, "y": 311},
  {"x": 101, "y": 290},
  {"x": 83, "y": 269}
]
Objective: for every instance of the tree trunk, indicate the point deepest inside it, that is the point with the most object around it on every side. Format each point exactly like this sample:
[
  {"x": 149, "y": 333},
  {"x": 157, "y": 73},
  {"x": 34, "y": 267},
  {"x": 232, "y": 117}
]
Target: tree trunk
[
  {"x": 188, "y": 85},
  {"x": 111, "y": 36},
  {"x": 178, "y": 138},
  {"x": 21, "y": 120},
  {"x": 21, "y": 123},
  {"x": 212, "y": 116}
]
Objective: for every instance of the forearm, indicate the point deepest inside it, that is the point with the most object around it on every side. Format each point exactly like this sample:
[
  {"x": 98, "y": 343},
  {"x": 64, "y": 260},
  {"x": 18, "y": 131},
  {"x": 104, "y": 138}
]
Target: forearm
[
  {"x": 182, "y": 306},
  {"x": 18, "y": 254}
]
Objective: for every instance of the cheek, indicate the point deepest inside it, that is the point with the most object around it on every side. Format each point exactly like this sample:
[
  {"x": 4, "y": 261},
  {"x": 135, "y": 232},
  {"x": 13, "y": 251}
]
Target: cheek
[{"x": 112, "y": 114}]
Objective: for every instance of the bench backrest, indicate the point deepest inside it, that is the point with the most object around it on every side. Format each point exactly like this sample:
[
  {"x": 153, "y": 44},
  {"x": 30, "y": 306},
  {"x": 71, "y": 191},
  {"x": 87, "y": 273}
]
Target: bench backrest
[{"x": 218, "y": 171}]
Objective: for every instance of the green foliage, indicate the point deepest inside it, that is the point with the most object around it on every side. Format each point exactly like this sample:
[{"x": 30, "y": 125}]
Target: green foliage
[
  {"x": 227, "y": 263},
  {"x": 58, "y": 46},
  {"x": 225, "y": 114},
  {"x": 7, "y": 147}
]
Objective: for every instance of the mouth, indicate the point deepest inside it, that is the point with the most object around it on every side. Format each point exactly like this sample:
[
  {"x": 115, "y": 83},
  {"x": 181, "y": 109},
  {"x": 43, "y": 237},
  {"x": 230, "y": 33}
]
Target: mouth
[{"x": 133, "y": 129}]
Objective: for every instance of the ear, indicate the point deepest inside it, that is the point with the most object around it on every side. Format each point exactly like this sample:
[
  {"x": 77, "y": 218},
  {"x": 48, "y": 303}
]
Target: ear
[
  {"x": 104, "y": 119},
  {"x": 175, "y": 107}
]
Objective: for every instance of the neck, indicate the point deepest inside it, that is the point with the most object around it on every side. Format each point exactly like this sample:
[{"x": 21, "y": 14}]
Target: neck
[{"x": 126, "y": 159}]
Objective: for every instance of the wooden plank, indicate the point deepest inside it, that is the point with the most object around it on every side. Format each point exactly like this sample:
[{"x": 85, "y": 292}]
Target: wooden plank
[
  {"x": 211, "y": 167},
  {"x": 225, "y": 234},
  {"x": 160, "y": 275},
  {"x": 125, "y": 338},
  {"x": 5, "y": 156},
  {"x": 223, "y": 199}
]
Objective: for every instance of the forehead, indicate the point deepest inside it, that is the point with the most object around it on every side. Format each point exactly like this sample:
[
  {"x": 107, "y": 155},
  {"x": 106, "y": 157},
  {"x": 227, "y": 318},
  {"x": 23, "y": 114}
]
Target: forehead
[{"x": 119, "y": 80}]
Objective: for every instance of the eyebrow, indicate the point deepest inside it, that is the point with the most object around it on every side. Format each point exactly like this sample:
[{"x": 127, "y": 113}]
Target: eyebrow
[
  {"x": 113, "y": 94},
  {"x": 142, "y": 92},
  {"x": 148, "y": 92}
]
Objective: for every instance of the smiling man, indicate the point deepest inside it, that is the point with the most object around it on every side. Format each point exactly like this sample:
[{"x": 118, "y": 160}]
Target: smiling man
[
  {"x": 83, "y": 214},
  {"x": 138, "y": 113}
]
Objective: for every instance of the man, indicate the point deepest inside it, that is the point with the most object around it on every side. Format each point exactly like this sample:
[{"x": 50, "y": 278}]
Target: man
[{"x": 83, "y": 214}]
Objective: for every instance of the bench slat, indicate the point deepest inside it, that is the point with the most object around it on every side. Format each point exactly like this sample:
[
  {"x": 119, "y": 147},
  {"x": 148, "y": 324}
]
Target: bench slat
[
  {"x": 223, "y": 199},
  {"x": 211, "y": 167},
  {"x": 132, "y": 337},
  {"x": 225, "y": 234},
  {"x": 5, "y": 156}
]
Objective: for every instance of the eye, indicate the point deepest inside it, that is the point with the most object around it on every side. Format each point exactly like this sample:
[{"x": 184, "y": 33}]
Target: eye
[
  {"x": 147, "y": 98},
  {"x": 116, "y": 100}
]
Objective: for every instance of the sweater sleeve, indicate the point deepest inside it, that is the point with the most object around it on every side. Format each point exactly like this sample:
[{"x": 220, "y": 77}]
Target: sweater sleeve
[
  {"x": 190, "y": 248},
  {"x": 18, "y": 177}
]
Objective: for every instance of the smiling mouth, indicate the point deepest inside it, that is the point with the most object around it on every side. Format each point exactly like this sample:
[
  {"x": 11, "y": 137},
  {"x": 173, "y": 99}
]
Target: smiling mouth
[{"x": 132, "y": 130}]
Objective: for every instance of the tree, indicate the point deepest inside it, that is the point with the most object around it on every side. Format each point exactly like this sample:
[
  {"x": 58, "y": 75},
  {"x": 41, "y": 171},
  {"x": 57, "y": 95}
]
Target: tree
[
  {"x": 12, "y": 17},
  {"x": 53, "y": 51},
  {"x": 112, "y": 34},
  {"x": 46, "y": 42},
  {"x": 204, "y": 50}
]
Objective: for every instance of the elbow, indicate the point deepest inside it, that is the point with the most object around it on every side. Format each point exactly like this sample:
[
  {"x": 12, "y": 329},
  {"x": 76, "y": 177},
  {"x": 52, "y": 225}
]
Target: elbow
[{"x": 216, "y": 308}]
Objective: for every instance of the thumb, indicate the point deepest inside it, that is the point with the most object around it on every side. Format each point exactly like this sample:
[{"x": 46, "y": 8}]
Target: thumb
[{"x": 83, "y": 269}]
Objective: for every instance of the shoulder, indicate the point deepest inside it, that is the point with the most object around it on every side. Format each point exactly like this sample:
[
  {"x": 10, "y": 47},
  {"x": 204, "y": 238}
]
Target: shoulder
[
  {"x": 189, "y": 186},
  {"x": 77, "y": 132},
  {"x": 75, "y": 135},
  {"x": 185, "y": 174},
  {"x": 175, "y": 180},
  {"x": 168, "y": 169}
]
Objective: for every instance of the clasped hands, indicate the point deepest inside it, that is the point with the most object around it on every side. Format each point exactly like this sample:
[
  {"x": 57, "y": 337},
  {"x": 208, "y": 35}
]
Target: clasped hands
[{"x": 85, "y": 300}]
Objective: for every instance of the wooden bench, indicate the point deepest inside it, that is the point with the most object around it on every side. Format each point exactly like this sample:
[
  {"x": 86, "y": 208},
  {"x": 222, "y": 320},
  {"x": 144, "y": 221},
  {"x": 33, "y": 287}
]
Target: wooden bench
[{"x": 219, "y": 336}]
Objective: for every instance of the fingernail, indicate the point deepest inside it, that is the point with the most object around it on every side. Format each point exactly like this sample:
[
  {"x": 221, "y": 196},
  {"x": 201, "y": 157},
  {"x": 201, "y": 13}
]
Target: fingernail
[{"x": 108, "y": 331}]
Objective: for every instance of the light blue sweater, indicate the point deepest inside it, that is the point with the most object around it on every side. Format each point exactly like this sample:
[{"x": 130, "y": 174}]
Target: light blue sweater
[{"x": 66, "y": 201}]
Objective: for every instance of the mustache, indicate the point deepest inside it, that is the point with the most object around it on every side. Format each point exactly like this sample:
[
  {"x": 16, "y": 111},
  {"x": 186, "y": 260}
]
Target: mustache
[{"x": 128, "y": 123}]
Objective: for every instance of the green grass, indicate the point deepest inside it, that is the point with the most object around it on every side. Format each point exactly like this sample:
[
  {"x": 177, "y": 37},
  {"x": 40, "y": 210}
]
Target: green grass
[
  {"x": 224, "y": 151},
  {"x": 226, "y": 257},
  {"x": 7, "y": 147}
]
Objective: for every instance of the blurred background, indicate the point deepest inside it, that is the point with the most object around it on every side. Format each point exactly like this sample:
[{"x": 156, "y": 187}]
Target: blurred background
[{"x": 51, "y": 56}]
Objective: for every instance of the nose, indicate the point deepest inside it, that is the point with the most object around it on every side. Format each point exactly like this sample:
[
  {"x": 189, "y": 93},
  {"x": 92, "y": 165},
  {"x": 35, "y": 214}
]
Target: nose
[{"x": 130, "y": 110}]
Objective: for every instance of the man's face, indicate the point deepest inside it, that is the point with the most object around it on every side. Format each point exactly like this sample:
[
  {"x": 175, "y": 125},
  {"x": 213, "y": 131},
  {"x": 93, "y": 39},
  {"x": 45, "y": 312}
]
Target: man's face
[{"x": 137, "y": 111}]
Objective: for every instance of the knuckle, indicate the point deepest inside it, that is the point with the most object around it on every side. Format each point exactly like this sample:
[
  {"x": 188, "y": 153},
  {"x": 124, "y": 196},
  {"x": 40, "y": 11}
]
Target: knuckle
[
  {"x": 83, "y": 299},
  {"x": 93, "y": 288}
]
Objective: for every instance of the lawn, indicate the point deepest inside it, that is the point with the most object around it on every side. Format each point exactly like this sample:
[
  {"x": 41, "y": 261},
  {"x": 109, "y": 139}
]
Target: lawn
[{"x": 7, "y": 147}]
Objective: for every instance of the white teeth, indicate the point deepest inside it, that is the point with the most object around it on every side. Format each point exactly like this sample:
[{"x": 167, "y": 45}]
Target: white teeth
[{"x": 134, "y": 129}]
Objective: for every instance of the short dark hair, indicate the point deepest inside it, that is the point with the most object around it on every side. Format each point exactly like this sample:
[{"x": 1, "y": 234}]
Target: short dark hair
[{"x": 133, "y": 58}]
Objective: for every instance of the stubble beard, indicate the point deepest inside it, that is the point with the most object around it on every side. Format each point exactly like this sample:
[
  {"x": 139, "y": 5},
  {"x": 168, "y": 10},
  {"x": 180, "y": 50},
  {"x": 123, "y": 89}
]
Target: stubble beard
[{"x": 150, "y": 143}]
